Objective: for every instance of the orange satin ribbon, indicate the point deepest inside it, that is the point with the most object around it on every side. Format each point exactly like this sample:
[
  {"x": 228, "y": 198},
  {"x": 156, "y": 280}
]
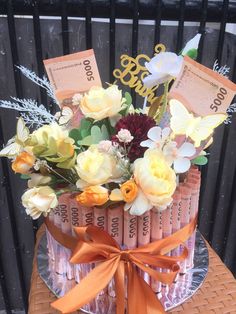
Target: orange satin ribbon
[{"x": 92, "y": 245}]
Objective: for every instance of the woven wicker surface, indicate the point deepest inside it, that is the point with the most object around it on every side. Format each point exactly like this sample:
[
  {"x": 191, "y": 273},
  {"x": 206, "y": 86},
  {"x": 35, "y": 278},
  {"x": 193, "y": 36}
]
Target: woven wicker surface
[{"x": 216, "y": 296}]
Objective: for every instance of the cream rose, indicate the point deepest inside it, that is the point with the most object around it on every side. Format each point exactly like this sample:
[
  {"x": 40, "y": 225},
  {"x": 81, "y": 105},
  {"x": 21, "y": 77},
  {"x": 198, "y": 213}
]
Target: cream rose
[
  {"x": 95, "y": 167},
  {"x": 155, "y": 177},
  {"x": 100, "y": 103},
  {"x": 39, "y": 200}
]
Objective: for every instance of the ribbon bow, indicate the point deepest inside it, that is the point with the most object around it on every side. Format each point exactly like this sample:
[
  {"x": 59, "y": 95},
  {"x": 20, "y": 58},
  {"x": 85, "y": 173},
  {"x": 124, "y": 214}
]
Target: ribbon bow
[{"x": 91, "y": 244}]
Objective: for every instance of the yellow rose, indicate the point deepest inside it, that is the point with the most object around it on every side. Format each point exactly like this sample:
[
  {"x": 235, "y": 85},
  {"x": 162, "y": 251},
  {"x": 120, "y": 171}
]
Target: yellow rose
[
  {"x": 54, "y": 144},
  {"x": 155, "y": 177},
  {"x": 95, "y": 167},
  {"x": 100, "y": 103},
  {"x": 39, "y": 200},
  {"x": 23, "y": 163},
  {"x": 93, "y": 196}
]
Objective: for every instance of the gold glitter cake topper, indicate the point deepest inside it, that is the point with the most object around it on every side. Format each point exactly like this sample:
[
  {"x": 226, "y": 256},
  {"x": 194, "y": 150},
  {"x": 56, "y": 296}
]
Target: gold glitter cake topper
[{"x": 134, "y": 72}]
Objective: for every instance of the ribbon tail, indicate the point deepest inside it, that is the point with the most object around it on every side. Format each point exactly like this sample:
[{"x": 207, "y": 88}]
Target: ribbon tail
[
  {"x": 138, "y": 304},
  {"x": 154, "y": 306},
  {"x": 88, "y": 288},
  {"x": 120, "y": 288}
]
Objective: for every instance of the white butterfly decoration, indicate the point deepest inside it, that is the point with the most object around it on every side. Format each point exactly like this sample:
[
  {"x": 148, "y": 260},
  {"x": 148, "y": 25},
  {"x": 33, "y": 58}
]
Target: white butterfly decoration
[
  {"x": 65, "y": 116},
  {"x": 15, "y": 144},
  {"x": 197, "y": 128}
]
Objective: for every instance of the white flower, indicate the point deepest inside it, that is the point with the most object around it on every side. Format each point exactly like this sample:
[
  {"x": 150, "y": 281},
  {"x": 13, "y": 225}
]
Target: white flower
[
  {"x": 76, "y": 99},
  {"x": 191, "y": 44},
  {"x": 162, "y": 67},
  {"x": 105, "y": 146},
  {"x": 124, "y": 136},
  {"x": 177, "y": 155},
  {"x": 140, "y": 204},
  {"x": 156, "y": 137},
  {"x": 39, "y": 200}
]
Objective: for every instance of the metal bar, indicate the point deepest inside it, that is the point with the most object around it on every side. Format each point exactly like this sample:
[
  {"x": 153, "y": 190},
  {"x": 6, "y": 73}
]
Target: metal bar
[
  {"x": 14, "y": 49},
  {"x": 15, "y": 61},
  {"x": 9, "y": 193},
  {"x": 135, "y": 39},
  {"x": 224, "y": 10},
  {"x": 179, "y": 44},
  {"x": 38, "y": 48},
  {"x": 88, "y": 24},
  {"x": 158, "y": 22},
  {"x": 4, "y": 291},
  {"x": 65, "y": 28},
  {"x": 7, "y": 185},
  {"x": 230, "y": 231},
  {"x": 202, "y": 29},
  {"x": 112, "y": 37},
  {"x": 213, "y": 238},
  {"x": 147, "y": 9}
]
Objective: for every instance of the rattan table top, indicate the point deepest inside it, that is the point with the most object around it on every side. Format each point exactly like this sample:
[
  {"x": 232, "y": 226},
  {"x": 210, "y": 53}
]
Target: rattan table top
[{"x": 216, "y": 296}]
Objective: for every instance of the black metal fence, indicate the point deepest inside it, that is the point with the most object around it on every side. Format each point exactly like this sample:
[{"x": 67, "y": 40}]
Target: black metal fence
[{"x": 31, "y": 31}]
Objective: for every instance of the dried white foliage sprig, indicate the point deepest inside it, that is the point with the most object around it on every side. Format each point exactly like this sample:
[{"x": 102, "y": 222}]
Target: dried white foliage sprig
[
  {"x": 230, "y": 111},
  {"x": 31, "y": 111},
  {"x": 42, "y": 82}
]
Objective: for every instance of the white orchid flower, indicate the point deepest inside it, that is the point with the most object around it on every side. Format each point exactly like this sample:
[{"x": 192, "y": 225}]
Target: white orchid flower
[
  {"x": 156, "y": 137},
  {"x": 163, "y": 67},
  {"x": 191, "y": 44},
  {"x": 177, "y": 156}
]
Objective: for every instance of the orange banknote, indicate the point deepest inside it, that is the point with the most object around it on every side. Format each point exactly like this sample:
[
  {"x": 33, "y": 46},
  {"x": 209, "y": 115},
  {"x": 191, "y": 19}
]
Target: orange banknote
[
  {"x": 71, "y": 74},
  {"x": 202, "y": 90}
]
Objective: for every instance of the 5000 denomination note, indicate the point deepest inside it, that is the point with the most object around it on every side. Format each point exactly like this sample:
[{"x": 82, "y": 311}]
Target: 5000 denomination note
[
  {"x": 73, "y": 73},
  {"x": 202, "y": 90}
]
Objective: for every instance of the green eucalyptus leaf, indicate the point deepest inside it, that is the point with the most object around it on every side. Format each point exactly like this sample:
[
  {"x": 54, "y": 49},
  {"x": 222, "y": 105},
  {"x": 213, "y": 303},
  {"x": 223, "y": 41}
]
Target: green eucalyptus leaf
[
  {"x": 87, "y": 141},
  {"x": 105, "y": 134},
  {"x": 200, "y": 160},
  {"x": 75, "y": 135},
  {"x": 85, "y": 124}
]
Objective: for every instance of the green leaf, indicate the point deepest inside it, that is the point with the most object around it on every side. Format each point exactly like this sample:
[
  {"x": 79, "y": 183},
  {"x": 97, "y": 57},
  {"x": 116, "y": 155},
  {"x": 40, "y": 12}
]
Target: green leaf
[
  {"x": 87, "y": 141},
  {"x": 25, "y": 176},
  {"x": 84, "y": 133},
  {"x": 128, "y": 98},
  {"x": 75, "y": 135},
  {"x": 200, "y": 160},
  {"x": 85, "y": 124},
  {"x": 97, "y": 135},
  {"x": 192, "y": 53},
  {"x": 69, "y": 163}
]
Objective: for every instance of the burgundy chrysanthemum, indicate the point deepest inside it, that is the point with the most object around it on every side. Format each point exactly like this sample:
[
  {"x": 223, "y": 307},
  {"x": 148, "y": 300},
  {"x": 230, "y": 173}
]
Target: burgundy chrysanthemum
[{"x": 138, "y": 125}]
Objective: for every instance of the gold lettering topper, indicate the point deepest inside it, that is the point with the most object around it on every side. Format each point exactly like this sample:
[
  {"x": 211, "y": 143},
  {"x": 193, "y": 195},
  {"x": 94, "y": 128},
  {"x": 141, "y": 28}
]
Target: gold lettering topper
[{"x": 134, "y": 72}]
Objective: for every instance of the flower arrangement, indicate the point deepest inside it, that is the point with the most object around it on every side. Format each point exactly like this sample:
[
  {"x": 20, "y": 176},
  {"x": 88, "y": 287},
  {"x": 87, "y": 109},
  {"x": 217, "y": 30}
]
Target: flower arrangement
[
  {"x": 103, "y": 149},
  {"x": 100, "y": 152}
]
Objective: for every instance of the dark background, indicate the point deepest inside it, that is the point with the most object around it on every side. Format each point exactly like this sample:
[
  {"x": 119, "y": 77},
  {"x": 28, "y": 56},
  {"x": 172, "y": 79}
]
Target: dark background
[{"x": 31, "y": 31}]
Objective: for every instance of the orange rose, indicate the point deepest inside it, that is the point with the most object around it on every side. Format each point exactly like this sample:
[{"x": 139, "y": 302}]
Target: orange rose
[
  {"x": 129, "y": 191},
  {"x": 23, "y": 162},
  {"x": 93, "y": 196}
]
